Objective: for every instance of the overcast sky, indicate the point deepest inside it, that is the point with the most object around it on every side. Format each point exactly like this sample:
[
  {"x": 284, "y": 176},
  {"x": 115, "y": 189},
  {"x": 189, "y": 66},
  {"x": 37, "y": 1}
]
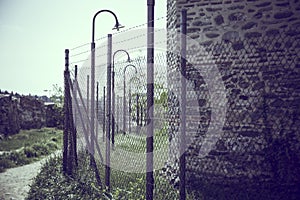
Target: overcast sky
[{"x": 35, "y": 33}]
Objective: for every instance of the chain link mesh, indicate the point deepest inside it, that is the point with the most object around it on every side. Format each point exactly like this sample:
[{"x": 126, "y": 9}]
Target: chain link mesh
[
  {"x": 257, "y": 150},
  {"x": 260, "y": 74}
]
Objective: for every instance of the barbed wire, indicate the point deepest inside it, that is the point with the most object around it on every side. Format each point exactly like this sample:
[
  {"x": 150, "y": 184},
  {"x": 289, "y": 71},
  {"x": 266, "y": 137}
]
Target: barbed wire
[
  {"x": 134, "y": 27},
  {"x": 138, "y": 36},
  {"x": 78, "y": 61},
  {"x": 77, "y": 47},
  {"x": 80, "y": 53},
  {"x": 105, "y": 54},
  {"x": 116, "y": 33}
]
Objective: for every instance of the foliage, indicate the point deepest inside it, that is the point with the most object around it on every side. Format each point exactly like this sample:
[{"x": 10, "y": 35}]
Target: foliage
[
  {"x": 50, "y": 181},
  {"x": 29, "y": 146},
  {"x": 52, "y": 184},
  {"x": 137, "y": 144},
  {"x": 13, "y": 159},
  {"x": 131, "y": 188},
  {"x": 5, "y": 164},
  {"x": 57, "y": 95},
  {"x": 29, "y": 137}
]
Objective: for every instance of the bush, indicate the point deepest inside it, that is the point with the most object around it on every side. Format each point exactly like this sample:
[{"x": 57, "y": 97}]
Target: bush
[
  {"x": 52, "y": 146},
  {"x": 30, "y": 152},
  {"x": 21, "y": 137},
  {"x": 49, "y": 182},
  {"x": 18, "y": 158},
  {"x": 6, "y": 163},
  {"x": 83, "y": 185},
  {"x": 41, "y": 149},
  {"x": 29, "y": 146}
]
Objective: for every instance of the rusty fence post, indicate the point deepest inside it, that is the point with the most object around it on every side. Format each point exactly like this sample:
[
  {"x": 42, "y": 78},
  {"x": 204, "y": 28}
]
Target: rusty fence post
[
  {"x": 66, "y": 114},
  {"x": 75, "y": 118},
  {"x": 108, "y": 112}
]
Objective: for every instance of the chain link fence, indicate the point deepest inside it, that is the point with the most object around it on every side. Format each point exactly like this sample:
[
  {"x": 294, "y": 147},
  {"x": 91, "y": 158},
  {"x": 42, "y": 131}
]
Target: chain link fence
[
  {"x": 126, "y": 169},
  {"x": 242, "y": 116},
  {"x": 257, "y": 149}
]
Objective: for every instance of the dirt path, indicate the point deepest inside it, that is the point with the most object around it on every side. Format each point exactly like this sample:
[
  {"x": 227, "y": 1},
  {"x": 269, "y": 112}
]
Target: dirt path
[{"x": 14, "y": 182}]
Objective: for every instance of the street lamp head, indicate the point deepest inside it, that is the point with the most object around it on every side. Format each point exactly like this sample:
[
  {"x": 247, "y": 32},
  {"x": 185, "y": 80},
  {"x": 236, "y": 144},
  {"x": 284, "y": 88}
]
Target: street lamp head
[{"x": 118, "y": 26}]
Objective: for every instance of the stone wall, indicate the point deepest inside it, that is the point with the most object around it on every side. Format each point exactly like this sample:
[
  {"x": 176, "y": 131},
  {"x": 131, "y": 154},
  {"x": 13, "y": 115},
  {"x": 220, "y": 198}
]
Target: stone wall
[
  {"x": 31, "y": 113},
  {"x": 9, "y": 115},
  {"x": 26, "y": 112},
  {"x": 255, "y": 46}
]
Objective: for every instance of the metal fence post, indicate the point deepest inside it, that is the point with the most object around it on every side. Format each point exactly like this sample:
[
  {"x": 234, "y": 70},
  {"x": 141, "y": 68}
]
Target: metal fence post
[
  {"x": 117, "y": 114},
  {"x": 150, "y": 100},
  {"x": 75, "y": 118},
  {"x": 66, "y": 114},
  {"x": 70, "y": 126},
  {"x": 124, "y": 104},
  {"x": 88, "y": 103},
  {"x": 182, "y": 191},
  {"x": 121, "y": 111},
  {"x": 108, "y": 112},
  {"x": 92, "y": 98},
  {"x": 97, "y": 110},
  {"x": 113, "y": 118},
  {"x": 103, "y": 125},
  {"x": 142, "y": 113},
  {"x": 137, "y": 113},
  {"x": 129, "y": 109}
]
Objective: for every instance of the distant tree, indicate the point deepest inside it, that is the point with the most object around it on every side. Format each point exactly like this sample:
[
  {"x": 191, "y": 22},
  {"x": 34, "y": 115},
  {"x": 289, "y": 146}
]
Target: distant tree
[{"x": 57, "y": 95}]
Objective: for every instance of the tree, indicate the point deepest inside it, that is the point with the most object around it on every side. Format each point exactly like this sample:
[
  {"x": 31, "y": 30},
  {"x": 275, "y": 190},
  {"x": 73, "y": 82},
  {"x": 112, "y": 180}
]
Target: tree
[{"x": 57, "y": 95}]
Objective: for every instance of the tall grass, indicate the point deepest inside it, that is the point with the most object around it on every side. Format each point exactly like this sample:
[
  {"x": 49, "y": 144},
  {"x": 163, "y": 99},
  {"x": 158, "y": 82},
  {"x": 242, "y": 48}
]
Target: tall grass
[
  {"x": 29, "y": 146},
  {"x": 51, "y": 184},
  {"x": 29, "y": 137}
]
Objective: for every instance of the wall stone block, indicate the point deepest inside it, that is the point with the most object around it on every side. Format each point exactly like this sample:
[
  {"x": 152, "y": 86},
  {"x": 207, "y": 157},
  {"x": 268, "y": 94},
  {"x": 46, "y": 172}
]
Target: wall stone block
[
  {"x": 255, "y": 46},
  {"x": 26, "y": 112}
]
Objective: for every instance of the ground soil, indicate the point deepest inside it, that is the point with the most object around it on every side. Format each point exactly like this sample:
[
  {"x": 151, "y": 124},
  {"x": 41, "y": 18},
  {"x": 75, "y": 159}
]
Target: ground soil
[{"x": 15, "y": 182}]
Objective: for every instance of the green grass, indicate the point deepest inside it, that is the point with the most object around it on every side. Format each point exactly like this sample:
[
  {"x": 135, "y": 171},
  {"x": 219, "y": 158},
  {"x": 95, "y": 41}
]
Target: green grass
[
  {"x": 137, "y": 143},
  {"x": 131, "y": 143},
  {"x": 28, "y": 137},
  {"x": 29, "y": 146},
  {"x": 51, "y": 184}
]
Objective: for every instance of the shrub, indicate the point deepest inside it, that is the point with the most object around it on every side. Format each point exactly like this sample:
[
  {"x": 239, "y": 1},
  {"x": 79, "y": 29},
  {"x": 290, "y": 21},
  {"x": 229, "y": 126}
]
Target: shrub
[
  {"x": 30, "y": 152},
  {"x": 21, "y": 137},
  {"x": 49, "y": 182},
  {"x": 41, "y": 149},
  {"x": 18, "y": 158},
  {"x": 51, "y": 145},
  {"x": 6, "y": 163}
]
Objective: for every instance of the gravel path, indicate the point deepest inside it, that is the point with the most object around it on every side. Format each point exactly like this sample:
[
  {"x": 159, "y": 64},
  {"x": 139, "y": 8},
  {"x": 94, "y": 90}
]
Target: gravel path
[{"x": 14, "y": 182}]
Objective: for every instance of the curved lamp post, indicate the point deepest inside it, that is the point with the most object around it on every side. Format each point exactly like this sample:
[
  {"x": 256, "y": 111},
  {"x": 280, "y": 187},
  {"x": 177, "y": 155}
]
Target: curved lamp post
[
  {"x": 117, "y": 26},
  {"x": 113, "y": 94},
  {"x": 124, "y": 98}
]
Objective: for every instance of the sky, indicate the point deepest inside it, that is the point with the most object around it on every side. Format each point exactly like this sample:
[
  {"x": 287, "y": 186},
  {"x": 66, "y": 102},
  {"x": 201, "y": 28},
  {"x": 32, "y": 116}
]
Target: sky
[{"x": 35, "y": 33}]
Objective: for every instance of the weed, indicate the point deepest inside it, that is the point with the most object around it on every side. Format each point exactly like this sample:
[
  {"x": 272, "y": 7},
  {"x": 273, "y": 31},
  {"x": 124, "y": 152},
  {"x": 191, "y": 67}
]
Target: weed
[
  {"x": 30, "y": 152},
  {"x": 28, "y": 146},
  {"x": 83, "y": 185},
  {"x": 6, "y": 163}
]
